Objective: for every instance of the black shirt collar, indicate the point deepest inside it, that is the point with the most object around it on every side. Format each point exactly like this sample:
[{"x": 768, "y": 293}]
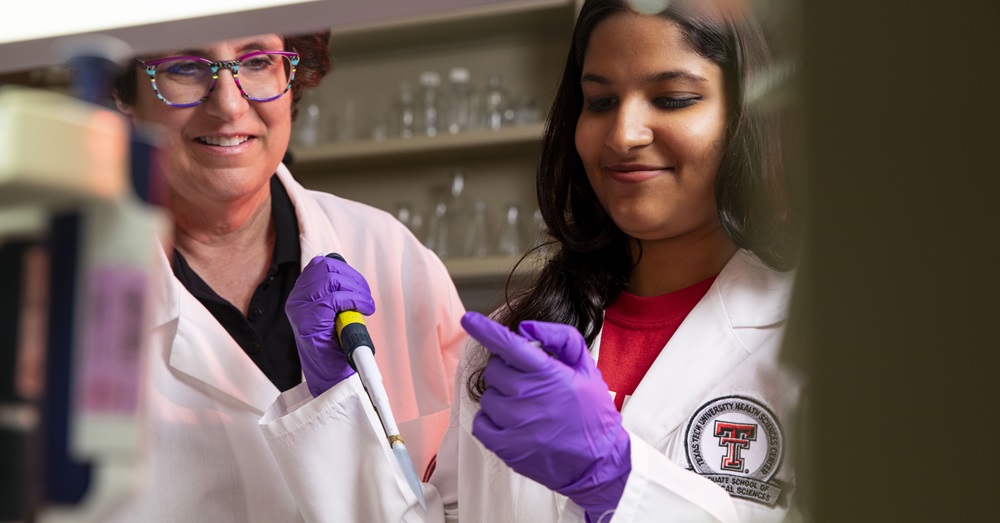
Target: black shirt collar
[
  {"x": 264, "y": 332},
  {"x": 286, "y": 226}
]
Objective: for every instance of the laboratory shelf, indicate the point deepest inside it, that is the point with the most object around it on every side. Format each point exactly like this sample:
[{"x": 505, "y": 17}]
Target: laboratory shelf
[
  {"x": 525, "y": 41},
  {"x": 493, "y": 268},
  {"x": 523, "y": 139},
  {"x": 498, "y": 19}
]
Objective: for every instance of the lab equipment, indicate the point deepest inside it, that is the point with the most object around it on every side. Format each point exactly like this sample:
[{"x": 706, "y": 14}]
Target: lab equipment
[
  {"x": 438, "y": 231},
  {"x": 360, "y": 352},
  {"x": 309, "y": 130},
  {"x": 475, "y": 244},
  {"x": 495, "y": 104},
  {"x": 405, "y": 112},
  {"x": 459, "y": 101},
  {"x": 511, "y": 241},
  {"x": 430, "y": 103},
  {"x": 99, "y": 236}
]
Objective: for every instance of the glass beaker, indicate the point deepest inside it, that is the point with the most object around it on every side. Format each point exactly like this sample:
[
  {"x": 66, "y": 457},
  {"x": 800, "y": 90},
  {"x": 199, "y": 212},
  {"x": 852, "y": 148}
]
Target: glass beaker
[
  {"x": 476, "y": 244},
  {"x": 511, "y": 242}
]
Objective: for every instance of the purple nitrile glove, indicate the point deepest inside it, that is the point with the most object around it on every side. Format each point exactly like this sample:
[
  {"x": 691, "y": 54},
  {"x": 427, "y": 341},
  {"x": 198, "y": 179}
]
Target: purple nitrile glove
[
  {"x": 326, "y": 287},
  {"x": 551, "y": 418}
]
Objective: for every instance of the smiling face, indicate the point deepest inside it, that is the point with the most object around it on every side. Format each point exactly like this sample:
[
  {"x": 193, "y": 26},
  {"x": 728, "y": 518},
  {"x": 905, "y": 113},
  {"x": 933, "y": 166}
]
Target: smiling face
[
  {"x": 652, "y": 129},
  {"x": 223, "y": 151}
]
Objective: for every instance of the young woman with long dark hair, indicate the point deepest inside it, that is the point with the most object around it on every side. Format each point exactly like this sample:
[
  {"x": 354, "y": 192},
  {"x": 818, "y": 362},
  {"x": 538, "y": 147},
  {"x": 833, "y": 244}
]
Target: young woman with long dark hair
[{"x": 637, "y": 377}]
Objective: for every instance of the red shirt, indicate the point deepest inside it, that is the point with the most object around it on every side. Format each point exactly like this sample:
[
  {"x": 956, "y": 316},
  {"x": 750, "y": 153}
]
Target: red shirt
[{"x": 635, "y": 331}]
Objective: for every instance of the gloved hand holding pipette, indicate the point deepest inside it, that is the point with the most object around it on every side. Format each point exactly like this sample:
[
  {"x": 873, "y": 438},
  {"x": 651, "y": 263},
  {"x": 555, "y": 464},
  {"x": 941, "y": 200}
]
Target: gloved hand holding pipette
[
  {"x": 325, "y": 288},
  {"x": 325, "y": 309}
]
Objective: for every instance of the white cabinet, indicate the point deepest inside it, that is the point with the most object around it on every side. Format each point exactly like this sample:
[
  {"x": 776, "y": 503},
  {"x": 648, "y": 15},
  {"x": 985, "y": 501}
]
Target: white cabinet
[{"x": 523, "y": 41}]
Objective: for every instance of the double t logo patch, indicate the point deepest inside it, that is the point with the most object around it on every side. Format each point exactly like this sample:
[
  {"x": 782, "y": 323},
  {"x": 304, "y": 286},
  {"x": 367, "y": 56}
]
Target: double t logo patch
[{"x": 737, "y": 443}]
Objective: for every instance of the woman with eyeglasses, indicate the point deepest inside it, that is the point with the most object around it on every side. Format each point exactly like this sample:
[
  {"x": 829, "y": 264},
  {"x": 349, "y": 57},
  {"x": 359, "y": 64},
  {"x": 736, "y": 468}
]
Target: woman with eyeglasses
[
  {"x": 638, "y": 377},
  {"x": 244, "y": 232}
]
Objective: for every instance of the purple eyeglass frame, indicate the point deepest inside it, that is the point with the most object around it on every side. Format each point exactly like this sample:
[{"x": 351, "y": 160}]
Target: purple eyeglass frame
[{"x": 232, "y": 65}]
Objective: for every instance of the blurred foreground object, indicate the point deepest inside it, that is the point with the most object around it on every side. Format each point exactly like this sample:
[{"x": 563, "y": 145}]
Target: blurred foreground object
[
  {"x": 55, "y": 150},
  {"x": 80, "y": 245}
]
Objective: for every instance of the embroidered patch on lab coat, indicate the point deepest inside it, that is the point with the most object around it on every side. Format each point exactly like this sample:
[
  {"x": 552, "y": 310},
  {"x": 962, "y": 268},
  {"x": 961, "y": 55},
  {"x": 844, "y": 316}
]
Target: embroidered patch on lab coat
[{"x": 737, "y": 443}]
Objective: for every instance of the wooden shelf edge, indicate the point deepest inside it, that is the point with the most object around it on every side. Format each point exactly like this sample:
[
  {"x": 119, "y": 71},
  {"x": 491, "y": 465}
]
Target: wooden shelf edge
[
  {"x": 353, "y": 152},
  {"x": 495, "y": 268},
  {"x": 416, "y": 24}
]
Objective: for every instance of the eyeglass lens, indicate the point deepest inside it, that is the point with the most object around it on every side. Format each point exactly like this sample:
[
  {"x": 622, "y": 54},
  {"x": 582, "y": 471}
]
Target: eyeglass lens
[{"x": 186, "y": 81}]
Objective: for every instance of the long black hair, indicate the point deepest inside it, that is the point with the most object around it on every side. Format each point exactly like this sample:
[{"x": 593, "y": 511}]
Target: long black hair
[{"x": 592, "y": 257}]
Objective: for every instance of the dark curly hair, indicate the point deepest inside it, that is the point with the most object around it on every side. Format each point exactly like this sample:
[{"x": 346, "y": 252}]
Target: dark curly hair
[
  {"x": 592, "y": 257},
  {"x": 314, "y": 64}
]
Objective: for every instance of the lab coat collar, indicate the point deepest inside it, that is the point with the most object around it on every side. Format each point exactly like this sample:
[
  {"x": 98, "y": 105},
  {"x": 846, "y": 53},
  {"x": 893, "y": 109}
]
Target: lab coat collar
[
  {"x": 164, "y": 289},
  {"x": 200, "y": 346},
  {"x": 707, "y": 346},
  {"x": 204, "y": 350},
  {"x": 753, "y": 294},
  {"x": 316, "y": 233}
]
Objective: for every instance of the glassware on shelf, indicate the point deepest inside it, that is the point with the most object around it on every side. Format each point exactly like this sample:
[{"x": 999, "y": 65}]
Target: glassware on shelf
[
  {"x": 309, "y": 128},
  {"x": 345, "y": 121},
  {"x": 477, "y": 108},
  {"x": 476, "y": 244},
  {"x": 509, "y": 114},
  {"x": 495, "y": 103},
  {"x": 430, "y": 103},
  {"x": 381, "y": 128},
  {"x": 457, "y": 209},
  {"x": 527, "y": 111},
  {"x": 511, "y": 242},
  {"x": 405, "y": 117},
  {"x": 438, "y": 234},
  {"x": 456, "y": 186},
  {"x": 459, "y": 101}
]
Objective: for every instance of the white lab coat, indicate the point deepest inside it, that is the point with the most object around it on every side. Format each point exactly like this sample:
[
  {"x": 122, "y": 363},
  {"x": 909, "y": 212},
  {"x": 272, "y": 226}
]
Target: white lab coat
[
  {"x": 727, "y": 346},
  {"x": 207, "y": 459}
]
